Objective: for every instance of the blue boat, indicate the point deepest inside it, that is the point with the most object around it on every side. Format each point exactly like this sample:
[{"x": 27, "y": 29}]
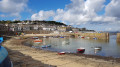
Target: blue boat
[
  {"x": 61, "y": 37},
  {"x": 95, "y": 38},
  {"x": 48, "y": 45},
  {"x": 43, "y": 46}
]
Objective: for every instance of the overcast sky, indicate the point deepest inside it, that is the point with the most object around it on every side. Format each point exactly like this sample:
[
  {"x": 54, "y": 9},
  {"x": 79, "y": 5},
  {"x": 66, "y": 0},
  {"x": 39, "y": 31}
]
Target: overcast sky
[{"x": 99, "y": 15}]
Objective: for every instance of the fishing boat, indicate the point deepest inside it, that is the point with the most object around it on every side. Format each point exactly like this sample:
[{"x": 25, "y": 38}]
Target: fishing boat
[
  {"x": 80, "y": 50},
  {"x": 61, "y": 53}
]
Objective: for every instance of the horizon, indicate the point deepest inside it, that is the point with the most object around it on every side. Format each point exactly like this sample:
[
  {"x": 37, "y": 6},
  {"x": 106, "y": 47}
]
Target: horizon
[{"x": 99, "y": 15}]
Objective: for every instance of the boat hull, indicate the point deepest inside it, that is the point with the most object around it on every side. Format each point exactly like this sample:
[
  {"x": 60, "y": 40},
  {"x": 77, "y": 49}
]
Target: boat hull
[
  {"x": 80, "y": 50},
  {"x": 61, "y": 53}
]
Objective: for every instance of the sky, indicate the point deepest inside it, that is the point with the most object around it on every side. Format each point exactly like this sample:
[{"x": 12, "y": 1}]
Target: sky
[{"x": 99, "y": 15}]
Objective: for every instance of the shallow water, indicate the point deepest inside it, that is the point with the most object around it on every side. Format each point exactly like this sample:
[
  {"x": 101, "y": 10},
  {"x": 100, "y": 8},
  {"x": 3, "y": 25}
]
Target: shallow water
[{"x": 108, "y": 48}]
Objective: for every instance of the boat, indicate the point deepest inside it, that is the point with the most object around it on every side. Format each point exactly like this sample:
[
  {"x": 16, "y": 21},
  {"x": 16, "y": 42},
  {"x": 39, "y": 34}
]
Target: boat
[
  {"x": 97, "y": 48},
  {"x": 61, "y": 37},
  {"x": 44, "y": 36},
  {"x": 37, "y": 40},
  {"x": 95, "y": 38},
  {"x": 82, "y": 37},
  {"x": 61, "y": 53},
  {"x": 43, "y": 46},
  {"x": 87, "y": 37},
  {"x": 48, "y": 45},
  {"x": 80, "y": 50}
]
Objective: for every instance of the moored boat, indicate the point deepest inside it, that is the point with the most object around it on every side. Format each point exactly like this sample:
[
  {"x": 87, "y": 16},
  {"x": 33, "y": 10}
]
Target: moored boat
[
  {"x": 61, "y": 37},
  {"x": 43, "y": 46},
  {"x": 97, "y": 48},
  {"x": 61, "y": 53},
  {"x": 37, "y": 40},
  {"x": 82, "y": 37},
  {"x": 80, "y": 50},
  {"x": 48, "y": 45},
  {"x": 95, "y": 38}
]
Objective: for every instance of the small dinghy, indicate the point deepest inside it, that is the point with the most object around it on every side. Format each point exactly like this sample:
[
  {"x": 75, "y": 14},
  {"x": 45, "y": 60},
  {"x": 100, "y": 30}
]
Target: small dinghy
[
  {"x": 43, "y": 46},
  {"x": 61, "y": 53},
  {"x": 38, "y": 40},
  {"x": 44, "y": 36},
  {"x": 82, "y": 37},
  {"x": 97, "y": 48},
  {"x": 80, "y": 50},
  {"x": 61, "y": 37},
  {"x": 95, "y": 38},
  {"x": 35, "y": 38},
  {"x": 48, "y": 45}
]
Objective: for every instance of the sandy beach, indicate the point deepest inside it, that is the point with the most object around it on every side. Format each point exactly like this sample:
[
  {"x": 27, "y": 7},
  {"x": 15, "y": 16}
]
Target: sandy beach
[{"x": 25, "y": 56}]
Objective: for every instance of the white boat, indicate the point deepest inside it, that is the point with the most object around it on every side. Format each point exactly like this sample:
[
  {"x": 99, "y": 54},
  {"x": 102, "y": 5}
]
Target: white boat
[{"x": 97, "y": 48}]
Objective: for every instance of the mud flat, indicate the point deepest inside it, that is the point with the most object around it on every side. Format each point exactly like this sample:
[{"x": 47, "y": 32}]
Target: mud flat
[{"x": 25, "y": 56}]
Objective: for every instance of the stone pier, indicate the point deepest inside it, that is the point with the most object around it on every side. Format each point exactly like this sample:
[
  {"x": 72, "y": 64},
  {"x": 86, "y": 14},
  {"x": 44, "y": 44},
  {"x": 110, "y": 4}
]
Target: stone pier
[{"x": 118, "y": 37}]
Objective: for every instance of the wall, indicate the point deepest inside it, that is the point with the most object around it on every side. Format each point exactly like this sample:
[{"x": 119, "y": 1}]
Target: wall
[
  {"x": 96, "y": 35},
  {"x": 91, "y": 35},
  {"x": 118, "y": 37}
]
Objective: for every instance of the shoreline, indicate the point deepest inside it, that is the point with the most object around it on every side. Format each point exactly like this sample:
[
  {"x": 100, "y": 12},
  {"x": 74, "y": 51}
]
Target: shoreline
[{"x": 52, "y": 58}]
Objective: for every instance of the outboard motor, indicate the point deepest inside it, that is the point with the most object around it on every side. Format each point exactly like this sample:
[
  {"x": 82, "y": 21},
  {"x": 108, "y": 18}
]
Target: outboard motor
[{"x": 4, "y": 59}]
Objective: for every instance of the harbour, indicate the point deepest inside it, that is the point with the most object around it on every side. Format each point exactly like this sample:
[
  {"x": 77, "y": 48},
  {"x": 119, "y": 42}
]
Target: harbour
[{"x": 69, "y": 45}]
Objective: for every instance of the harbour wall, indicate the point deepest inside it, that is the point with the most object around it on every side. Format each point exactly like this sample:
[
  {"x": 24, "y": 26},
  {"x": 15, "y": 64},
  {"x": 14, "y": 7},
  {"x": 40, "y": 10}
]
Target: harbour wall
[
  {"x": 118, "y": 37},
  {"x": 90, "y": 35},
  {"x": 95, "y": 35}
]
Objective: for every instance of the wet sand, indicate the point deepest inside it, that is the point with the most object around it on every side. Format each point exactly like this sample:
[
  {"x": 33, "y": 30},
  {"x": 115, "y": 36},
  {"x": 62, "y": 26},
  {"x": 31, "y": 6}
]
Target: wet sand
[{"x": 25, "y": 56}]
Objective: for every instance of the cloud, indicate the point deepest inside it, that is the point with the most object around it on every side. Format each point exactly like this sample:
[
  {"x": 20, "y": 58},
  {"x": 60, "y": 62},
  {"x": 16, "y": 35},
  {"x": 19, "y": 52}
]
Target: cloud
[
  {"x": 13, "y": 7},
  {"x": 85, "y": 13},
  {"x": 113, "y": 8},
  {"x": 43, "y": 15},
  {"x": 2, "y": 15},
  {"x": 80, "y": 11}
]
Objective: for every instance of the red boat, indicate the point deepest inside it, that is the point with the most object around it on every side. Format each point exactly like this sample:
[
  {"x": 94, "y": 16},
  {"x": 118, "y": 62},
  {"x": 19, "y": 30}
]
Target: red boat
[
  {"x": 80, "y": 50},
  {"x": 82, "y": 37},
  {"x": 37, "y": 40},
  {"x": 61, "y": 53}
]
